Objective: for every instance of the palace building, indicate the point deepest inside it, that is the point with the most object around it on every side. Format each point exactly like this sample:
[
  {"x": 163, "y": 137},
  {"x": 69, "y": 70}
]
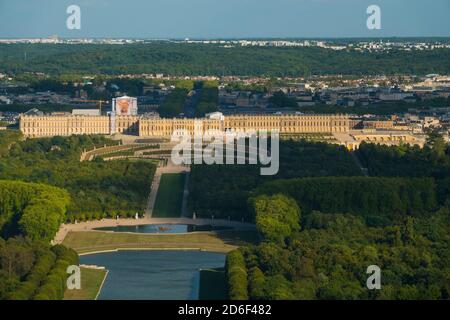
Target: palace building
[
  {"x": 124, "y": 119},
  {"x": 66, "y": 125}
]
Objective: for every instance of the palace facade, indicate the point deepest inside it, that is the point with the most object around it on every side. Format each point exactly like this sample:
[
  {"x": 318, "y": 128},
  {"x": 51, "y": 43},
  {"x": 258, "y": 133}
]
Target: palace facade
[{"x": 66, "y": 125}]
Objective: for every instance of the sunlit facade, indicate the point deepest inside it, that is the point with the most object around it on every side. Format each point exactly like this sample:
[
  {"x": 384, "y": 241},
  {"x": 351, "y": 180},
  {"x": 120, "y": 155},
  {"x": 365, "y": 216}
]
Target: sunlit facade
[{"x": 47, "y": 126}]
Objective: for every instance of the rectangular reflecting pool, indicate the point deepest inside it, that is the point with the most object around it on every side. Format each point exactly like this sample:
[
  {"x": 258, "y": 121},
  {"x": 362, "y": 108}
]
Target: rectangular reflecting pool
[{"x": 153, "y": 275}]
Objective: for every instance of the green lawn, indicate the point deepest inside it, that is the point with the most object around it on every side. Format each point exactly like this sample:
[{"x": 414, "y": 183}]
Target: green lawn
[
  {"x": 170, "y": 196},
  {"x": 223, "y": 241},
  {"x": 91, "y": 280},
  {"x": 213, "y": 284}
]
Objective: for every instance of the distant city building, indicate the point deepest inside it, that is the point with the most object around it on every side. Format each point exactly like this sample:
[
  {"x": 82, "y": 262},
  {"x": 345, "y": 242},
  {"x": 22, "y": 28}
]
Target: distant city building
[{"x": 5, "y": 100}]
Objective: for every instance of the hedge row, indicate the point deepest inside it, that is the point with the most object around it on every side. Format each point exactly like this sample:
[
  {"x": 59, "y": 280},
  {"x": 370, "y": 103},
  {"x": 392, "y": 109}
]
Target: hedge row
[
  {"x": 54, "y": 284},
  {"x": 91, "y": 216},
  {"x": 364, "y": 196},
  {"x": 236, "y": 271},
  {"x": 47, "y": 279},
  {"x": 42, "y": 267},
  {"x": 256, "y": 283}
]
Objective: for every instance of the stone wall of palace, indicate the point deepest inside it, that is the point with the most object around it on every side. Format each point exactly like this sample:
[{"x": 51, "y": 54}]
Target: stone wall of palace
[
  {"x": 282, "y": 123},
  {"x": 290, "y": 123},
  {"x": 45, "y": 126},
  {"x": 65, "y": 125},
  {"x": 127, "y": 125}
]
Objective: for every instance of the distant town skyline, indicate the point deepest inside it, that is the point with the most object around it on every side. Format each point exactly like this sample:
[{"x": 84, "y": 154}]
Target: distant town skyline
[{"x": 208, "y": 19}]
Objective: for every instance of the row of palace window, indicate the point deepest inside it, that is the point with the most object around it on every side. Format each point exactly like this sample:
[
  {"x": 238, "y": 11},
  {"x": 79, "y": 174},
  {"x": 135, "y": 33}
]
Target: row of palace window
[{"x": 281, "y": 123}]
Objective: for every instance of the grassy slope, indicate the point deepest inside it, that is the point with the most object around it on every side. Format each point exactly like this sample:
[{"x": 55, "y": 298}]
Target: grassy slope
[
  {"x": 223, "y": 241},
  {"x": 170, "y": 196},
  {"x": 91, "y": 280}
]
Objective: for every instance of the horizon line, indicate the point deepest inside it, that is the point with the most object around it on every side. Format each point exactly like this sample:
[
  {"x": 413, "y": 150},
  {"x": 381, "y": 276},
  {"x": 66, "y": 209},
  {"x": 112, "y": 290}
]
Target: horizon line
[{"x": 226, "y": 38}]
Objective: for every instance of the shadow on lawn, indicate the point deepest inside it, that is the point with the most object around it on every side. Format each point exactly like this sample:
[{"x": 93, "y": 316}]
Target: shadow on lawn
[{"x": 238, "y": 238}]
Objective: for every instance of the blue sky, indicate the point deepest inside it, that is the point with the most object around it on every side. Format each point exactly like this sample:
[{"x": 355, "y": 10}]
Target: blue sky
[{"x": 223, "y": 18}]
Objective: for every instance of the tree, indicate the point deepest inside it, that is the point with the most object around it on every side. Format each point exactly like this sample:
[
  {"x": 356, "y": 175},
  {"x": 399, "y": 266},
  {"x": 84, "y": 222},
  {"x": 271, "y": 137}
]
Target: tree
[
  {"x": 279, "y": 288},
  {"x": 173, "y": 104},
  {"x": 277, "y": 217},
  {"x": 305, "y": 289},
  {"x": 256, "y": 282},
  {"x": 280, "y": 100},
  {"x": 16, "y": 257},
  {"x": 236, "y": 271},
  {"x": 437, "y": 143}
]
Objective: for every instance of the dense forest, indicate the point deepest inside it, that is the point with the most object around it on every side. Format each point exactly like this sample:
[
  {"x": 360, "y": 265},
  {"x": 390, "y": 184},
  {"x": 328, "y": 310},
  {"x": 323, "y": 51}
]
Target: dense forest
[
  {"x": 400, "y": 161},
  {"x": 322, "y": 223},
  {"x": 196, "y": 59},
  {"x": 97, "y": 188},
  {"x": 32, "y": 270},
  {"x": 58, "y": 188},
  {"x": 32, "y": 210},
  {"x": 223, "y": 190},
  {"x": 319, "y": 234},
  {"x": 30, "y": 216},
  {"x": 378, "y": 199},
  {"x": 329, "y": 257},
  {"x": 403, "y": 161}
]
